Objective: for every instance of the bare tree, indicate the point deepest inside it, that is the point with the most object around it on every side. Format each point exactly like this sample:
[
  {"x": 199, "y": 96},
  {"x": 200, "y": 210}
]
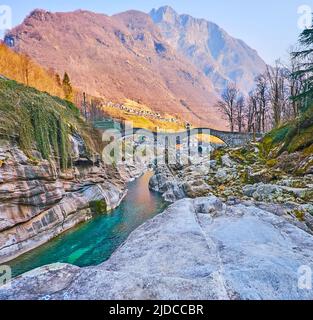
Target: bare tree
[
  {"x": 296, "y": 84},
  {"x": 251, "y": 110},
  {"x": 282, "y": 91},
  {"x": 227, "y": 104},
  {"x": 276, "y": 77},
  {"x": 26, "y": 66},
  {"x": 239, "y": 110},
  {"x": 262, "y": 98}
]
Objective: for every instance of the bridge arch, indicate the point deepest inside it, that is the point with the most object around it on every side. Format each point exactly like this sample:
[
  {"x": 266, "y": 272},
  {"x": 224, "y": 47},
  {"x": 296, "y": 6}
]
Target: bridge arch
[{"x": 231, "y": 139}]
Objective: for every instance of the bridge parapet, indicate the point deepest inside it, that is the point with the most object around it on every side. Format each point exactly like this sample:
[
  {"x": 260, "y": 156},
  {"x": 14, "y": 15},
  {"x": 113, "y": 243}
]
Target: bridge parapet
[
  {"x": 231, "y": 139},
  {"x": 235, "y": 139}
]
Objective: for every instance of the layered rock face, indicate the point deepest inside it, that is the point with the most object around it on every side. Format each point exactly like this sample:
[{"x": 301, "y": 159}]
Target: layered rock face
[
  {"x": 196, "y": 249},
  {"x": 38, "y": 201}
]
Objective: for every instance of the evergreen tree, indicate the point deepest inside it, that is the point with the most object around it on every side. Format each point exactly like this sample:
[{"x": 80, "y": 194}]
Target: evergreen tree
[
  {"x": 58, "y": 80},
  {"x": 305, "y": 67},
  {"x": 67, "y": 88}
]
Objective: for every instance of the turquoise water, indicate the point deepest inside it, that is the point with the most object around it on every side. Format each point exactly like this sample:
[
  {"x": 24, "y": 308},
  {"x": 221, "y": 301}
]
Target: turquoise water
[{"x": 93, "y": 242}]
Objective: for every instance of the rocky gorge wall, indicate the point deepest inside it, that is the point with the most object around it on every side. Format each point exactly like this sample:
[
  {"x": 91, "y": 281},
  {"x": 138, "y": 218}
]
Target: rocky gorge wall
[{"x": 38, "y": 201}]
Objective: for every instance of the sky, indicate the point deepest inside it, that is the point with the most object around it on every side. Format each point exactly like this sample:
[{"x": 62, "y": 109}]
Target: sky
[{"x": 269, "y": 26}]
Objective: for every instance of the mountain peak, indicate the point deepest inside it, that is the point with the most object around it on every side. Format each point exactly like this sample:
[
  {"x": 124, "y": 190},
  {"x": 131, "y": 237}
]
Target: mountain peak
[
  {"x": 222, "y": 58},
  {"x": 165, "y": 13},
  {"x": 39, "y": 14}
]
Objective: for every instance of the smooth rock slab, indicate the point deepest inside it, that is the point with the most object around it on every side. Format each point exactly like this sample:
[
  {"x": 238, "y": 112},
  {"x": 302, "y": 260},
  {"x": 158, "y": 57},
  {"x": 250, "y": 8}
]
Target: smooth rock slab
[{"x": 188, "y": 252}]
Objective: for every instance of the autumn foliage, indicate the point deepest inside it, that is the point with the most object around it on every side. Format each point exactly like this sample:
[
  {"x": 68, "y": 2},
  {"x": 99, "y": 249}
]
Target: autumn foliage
[{"x": 22, "y": 69}]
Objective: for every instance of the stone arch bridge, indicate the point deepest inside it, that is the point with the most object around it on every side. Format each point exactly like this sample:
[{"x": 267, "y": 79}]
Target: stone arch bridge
[{"x": 231, "y": 139}]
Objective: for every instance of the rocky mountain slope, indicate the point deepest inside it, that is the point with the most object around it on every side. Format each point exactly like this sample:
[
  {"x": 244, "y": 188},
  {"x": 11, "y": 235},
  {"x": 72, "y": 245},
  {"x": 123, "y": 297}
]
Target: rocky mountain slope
[
  {"x": 221, "y": 58},
  {"x": 118, "y": 57}
]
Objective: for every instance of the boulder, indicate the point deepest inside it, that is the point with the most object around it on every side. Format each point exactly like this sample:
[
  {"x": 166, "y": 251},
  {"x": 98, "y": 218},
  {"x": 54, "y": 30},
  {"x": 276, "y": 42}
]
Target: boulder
[
  {"x": 209, "y": 205},
  {"x": 227, "y": 162},
  {"x": 196, "y": 188},
  {"x": 262, "y": 175},
  {"x": 166, "y": 184},
  {"x": 221, "y": 176},
  {"x": 263, "y": 192}
]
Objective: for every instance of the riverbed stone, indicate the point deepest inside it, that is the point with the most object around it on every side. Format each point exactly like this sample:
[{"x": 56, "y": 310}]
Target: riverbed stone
[
  {"x": 227, "y": 161},
  {"x": 241, "y": 253},
  {"x": 165, "y": 183},
  {"x": 209, "y": 205}
]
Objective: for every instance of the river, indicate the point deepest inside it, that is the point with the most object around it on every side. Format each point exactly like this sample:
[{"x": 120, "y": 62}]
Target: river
[{"x": 93, "y": 242}]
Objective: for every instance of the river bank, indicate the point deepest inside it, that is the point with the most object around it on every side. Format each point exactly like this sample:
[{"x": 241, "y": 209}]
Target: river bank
[
  {"x": 38, "y": 201},
  {"x": 244, "y": 176},
  {"x": 196, "y": 249},
  {"x": 93, "y": 242},
  {"x": 214, "y": 243}
]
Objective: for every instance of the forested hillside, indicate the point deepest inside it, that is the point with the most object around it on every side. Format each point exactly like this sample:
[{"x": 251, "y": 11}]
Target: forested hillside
[{"x": 21, "y": 68}]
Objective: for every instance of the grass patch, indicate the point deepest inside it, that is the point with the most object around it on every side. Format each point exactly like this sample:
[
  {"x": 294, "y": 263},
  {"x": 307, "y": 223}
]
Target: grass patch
[
  {"x": 295, "y": 135},
  {"x": 300, "y": 215},
  {"x": 36, "y": 120}
]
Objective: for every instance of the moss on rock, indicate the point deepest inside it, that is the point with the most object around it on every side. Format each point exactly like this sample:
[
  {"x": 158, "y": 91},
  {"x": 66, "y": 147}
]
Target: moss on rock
[
  {"x": 98, "y": 206},
  {"x": 36, "y": 120}
]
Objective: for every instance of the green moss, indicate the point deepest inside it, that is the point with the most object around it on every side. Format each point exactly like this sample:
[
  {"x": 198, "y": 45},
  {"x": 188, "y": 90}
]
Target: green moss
[
  {"x": 218, "y": 154},
  {"x": 302, "y": 140},
  {"x": 276, "y": 136},
  {"x": 267, "y": 144},
  {"x": 272, "y": 163},
  {"x": 299, "y": 214},
  {"x": 307, "y": 195},
  {"x": 245, "y": 177},
  {"x": 237, "y": 155},
  {"x": 294, "y": 136},
  {"x": 308, "y": 151},
  {"x": 98, "y": 206},
  {"x": 36, "y": 120}
]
